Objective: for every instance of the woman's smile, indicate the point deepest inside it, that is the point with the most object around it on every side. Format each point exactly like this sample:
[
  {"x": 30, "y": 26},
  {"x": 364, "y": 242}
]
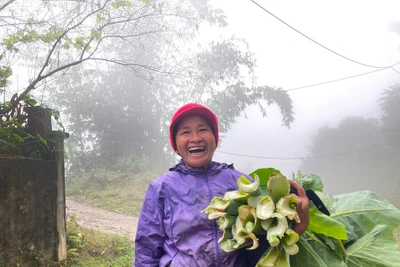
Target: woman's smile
[{"x": 195, "y": 141}]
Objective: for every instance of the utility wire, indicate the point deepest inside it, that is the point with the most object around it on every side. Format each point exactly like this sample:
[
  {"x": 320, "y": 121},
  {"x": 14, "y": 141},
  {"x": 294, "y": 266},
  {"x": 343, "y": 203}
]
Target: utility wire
[
  {"x": 395, "y": 69},
  {"x": 323, "y": 46},
  {"x": 337, "y": 80},
  {"x": 300, "y": 158}
]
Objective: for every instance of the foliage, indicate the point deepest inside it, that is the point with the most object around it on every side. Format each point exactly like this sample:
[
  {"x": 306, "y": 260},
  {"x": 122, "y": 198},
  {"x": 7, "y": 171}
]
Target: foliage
[
  {"x": 37, "y": 256},
  {"x": 367, "y": 158},
  {"x": 121, "y": 116},
  {"x": 74, "y": 240},
  {"x": 115, "y": 119},
  {"x": 259, "y": 210},
  {"x": 61, "y": 34},
  {"x": 135, "y": 165},
  {"x": 5, "y": 73},
  {"x": 17, "y": 139},
  {"x": 88, "y": 248},
  {"x": 370, "y": 225},
  {"x": 122, "y": 110},
  {"x": 112, "y": 190},
  {"x": 361, "y": 230},
  {"x": 390, "y": 106}
]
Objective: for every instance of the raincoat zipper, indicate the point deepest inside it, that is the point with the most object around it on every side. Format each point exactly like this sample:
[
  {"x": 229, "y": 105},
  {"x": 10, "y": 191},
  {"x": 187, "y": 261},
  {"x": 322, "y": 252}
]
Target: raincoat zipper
[{"x": 215, "y": 224}]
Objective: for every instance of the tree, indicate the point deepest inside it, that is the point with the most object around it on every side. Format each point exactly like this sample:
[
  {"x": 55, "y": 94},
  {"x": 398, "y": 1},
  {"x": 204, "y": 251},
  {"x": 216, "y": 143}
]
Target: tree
[
  {"x": 153, "y": 61},
  {"x": 390, "y": 107},
  {"x": 62, "y": 34},
  {"x": 120, "y": 115},
  {"x": 116, "y": 116},
  {"x": 353, "y": 156}
]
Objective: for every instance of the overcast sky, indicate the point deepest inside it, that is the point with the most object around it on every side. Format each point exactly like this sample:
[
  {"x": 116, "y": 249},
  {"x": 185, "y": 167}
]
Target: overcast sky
[{"x": 359, "y": 30}]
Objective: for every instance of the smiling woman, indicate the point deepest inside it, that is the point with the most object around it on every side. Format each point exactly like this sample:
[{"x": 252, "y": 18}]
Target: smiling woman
[
  {"x": 195, "y": 141},
  {"x": 172, "y": 230}
]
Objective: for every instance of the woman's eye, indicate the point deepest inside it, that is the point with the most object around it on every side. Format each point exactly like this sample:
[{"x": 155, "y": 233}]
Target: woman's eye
[
  {"x": 203, "y": 130},
  {"x": 185, "y": 132}
]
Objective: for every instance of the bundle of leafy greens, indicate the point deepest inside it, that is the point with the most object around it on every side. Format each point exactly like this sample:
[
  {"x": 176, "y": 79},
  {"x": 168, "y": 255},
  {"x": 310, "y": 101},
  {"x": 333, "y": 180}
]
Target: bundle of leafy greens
[{"x": 361, "y": 230}]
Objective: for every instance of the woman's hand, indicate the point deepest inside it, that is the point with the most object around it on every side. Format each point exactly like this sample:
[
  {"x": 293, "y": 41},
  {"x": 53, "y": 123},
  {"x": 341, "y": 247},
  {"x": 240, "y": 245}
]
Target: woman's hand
[{"x": 302, "y": 208}]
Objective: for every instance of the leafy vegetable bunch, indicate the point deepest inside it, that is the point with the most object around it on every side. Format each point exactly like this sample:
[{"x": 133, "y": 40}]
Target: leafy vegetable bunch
[
  {"x": 251, "y": 212},
  {"x": 361, "y": 230}
]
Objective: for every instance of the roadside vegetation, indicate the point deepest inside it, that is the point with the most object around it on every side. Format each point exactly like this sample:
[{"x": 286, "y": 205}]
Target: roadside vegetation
[
  {"x": 88, "y": 248},
  {"x": 112, "y": 190},
  {"x": 120, "y": 188}
]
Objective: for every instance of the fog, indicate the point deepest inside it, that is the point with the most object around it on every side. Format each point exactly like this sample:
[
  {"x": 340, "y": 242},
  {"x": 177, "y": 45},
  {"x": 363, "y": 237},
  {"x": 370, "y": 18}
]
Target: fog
[
  {"x": 335, "y": 60},
  {"x": 358, "y": 30}
]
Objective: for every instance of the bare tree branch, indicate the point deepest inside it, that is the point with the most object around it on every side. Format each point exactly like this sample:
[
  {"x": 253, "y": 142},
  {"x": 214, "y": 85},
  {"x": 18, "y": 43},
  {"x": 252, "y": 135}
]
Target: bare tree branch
[
  {"x": 63, "y": 34},
  {"x": 111, "y": 24},
  {"x": 6, "y": 4}
]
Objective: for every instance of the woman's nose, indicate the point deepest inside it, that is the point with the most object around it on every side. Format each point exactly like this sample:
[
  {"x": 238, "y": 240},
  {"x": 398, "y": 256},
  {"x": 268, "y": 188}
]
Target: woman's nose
[{"x": 196, "y": 137}]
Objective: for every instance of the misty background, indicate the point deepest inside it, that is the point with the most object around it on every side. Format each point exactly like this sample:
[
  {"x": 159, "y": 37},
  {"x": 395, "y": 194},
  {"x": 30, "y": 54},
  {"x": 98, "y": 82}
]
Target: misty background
[
  {"x": 364, "y": 31},
  {"x": 334, "y": 61}
]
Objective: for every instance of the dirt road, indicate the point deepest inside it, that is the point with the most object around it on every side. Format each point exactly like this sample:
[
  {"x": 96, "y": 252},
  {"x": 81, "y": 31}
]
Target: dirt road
[{"x": 91, "y": 217}]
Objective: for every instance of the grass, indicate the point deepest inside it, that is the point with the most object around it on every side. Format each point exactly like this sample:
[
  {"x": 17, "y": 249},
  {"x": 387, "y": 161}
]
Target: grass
[
  {"x": 87, "y": 248},
  {"x": 113, "y": 191},
  {"x": 110, "y": 190}
]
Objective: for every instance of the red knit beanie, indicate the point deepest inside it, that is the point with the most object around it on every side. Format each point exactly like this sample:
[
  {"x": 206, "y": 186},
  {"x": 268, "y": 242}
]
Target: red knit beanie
[{"x": 193, "y": 109}]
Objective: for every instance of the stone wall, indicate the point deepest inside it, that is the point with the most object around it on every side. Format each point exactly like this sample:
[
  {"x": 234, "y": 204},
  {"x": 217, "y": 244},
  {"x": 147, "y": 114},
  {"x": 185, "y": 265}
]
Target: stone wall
[{"x": 30, "y": 212}]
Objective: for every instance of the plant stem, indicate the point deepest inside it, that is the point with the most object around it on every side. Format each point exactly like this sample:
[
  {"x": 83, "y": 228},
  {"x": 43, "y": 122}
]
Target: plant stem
[{"x": 343, "y": 250}]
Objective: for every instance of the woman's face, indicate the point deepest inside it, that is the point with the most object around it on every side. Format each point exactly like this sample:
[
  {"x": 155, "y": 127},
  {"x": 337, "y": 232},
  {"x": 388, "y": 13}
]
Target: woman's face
[{"x": 195, "y": 141}]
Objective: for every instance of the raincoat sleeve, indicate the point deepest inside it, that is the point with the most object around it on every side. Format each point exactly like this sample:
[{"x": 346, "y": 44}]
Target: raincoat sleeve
[{"x": 150, "y": 233}]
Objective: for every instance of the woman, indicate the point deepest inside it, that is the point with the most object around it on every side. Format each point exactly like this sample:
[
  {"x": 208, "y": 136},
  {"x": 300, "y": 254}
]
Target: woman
[{"x": 172, "y": 230}]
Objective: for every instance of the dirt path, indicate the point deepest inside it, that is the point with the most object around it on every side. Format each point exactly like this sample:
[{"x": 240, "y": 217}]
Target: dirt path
[{"x": 91, "y": 217}]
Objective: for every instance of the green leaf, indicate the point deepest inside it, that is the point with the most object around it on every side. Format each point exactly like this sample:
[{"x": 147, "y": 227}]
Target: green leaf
[
  {"x": 17, "y": 137},
  {"x": 361, "y": 211},
  {"x": 286, "y": 206},
  {"x": 42, "y": 140},
  {"x": 278, "y": 187},
  {"x": 323, "y": 224},
  {"x": 370, "y": 224},
  {"x": 99, "y": 17},
  {"x": 228, "y": 245},
  {"x": 289, "y": 241},
  {"x": 30, "y": 37},
  {"x": 95, "y": 33},
  {"x": 245, "y": 214},
  {"x": 373, "y": 249},
  {"x": 226, "y": 234},
  {"x": 277, "y": 229},
  {"x": 396, "y": 235},
  {"x": 311, "y": 181},
  {"x": 316, "y": 255},
  {"x": 265, "y": 207},
  {"x": 29, "y": 100},
  {"x": 16, "y": 124},
  {"x": 122, "y": 3},
  {"x": 269, "y": 258},
  {"x": 283, "y": 260},
  {"x": 249, "y": 187},
  {"x": 226, "y": 221},
  {"x": 264, "y": 174},
  {"x": 79, "y": 43},
  {"x": 238, "y": 196}
]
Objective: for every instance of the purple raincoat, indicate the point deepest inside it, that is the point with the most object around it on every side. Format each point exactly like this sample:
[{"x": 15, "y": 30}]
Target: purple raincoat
[{"x": 172, "y": 230}]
